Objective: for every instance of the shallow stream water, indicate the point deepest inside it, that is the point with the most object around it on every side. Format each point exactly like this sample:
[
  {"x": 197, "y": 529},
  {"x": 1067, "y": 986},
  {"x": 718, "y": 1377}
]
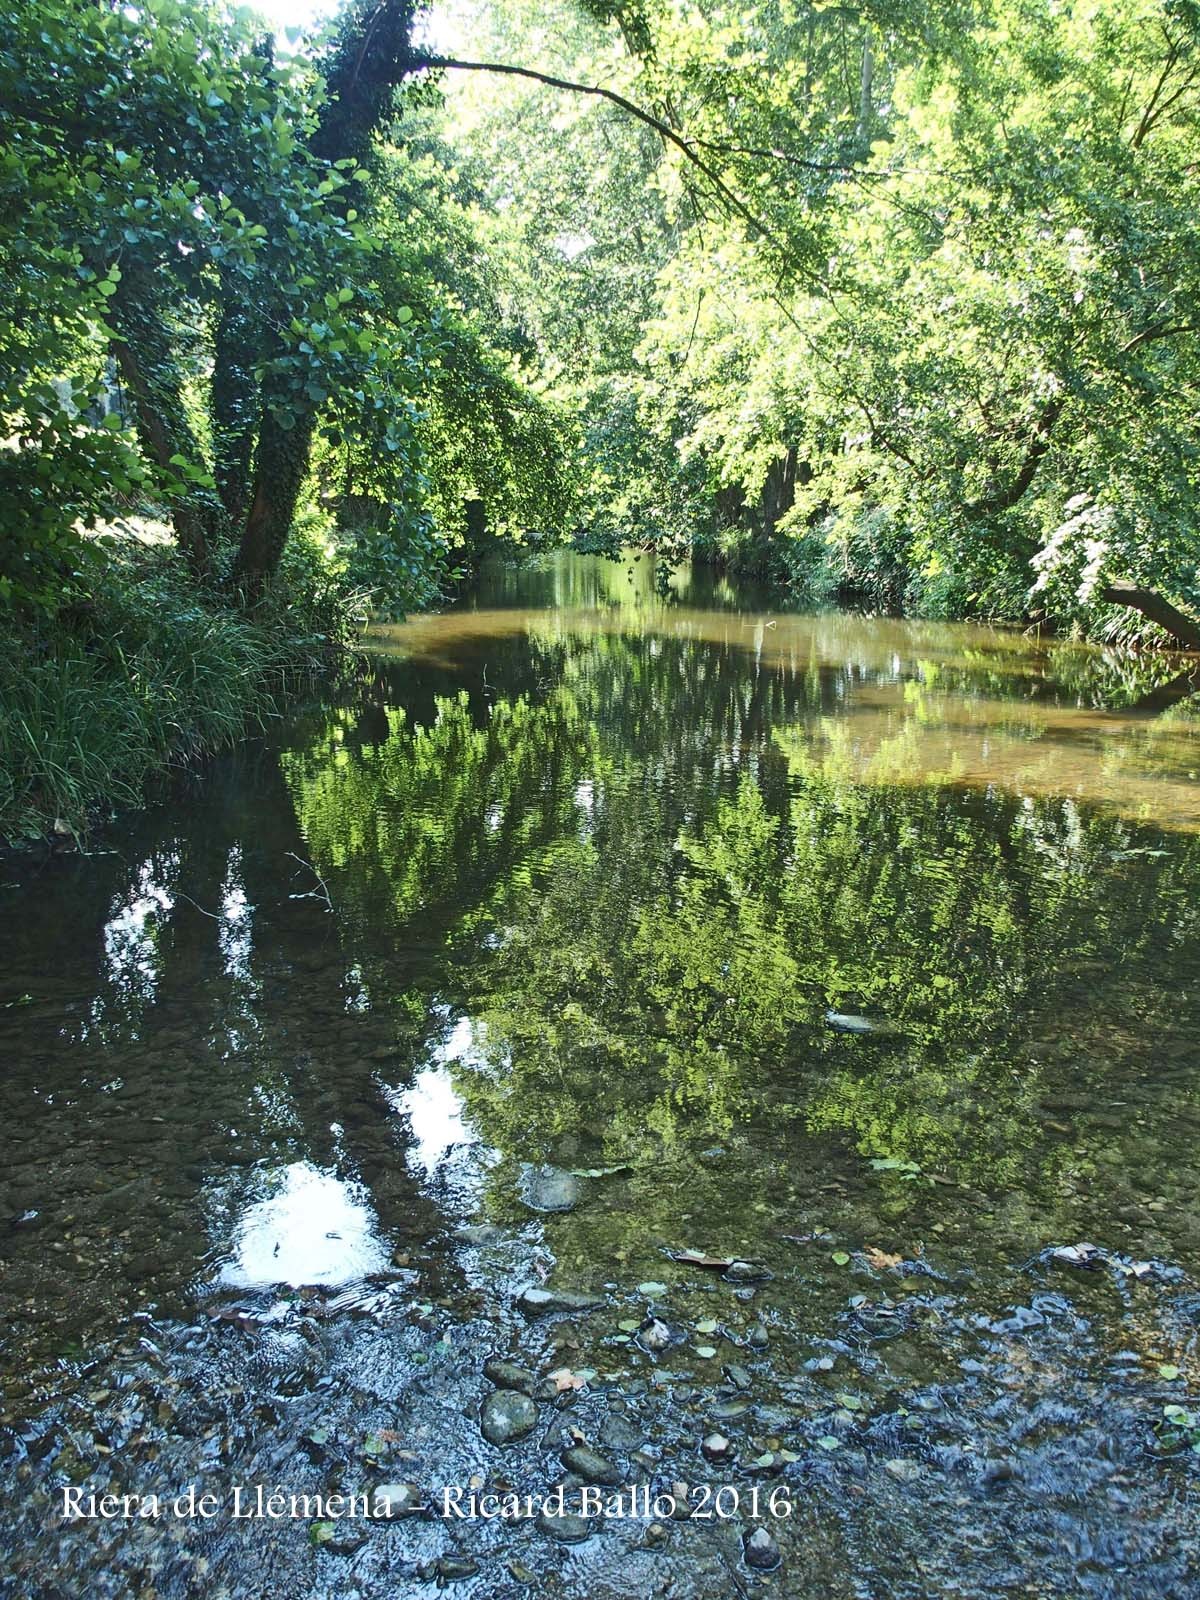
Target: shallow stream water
[{"x": 820, "y": 993}]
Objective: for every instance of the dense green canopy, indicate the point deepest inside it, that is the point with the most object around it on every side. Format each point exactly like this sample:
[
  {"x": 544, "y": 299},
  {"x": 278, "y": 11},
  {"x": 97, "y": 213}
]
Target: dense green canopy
[{"x": 893, "y": 298}]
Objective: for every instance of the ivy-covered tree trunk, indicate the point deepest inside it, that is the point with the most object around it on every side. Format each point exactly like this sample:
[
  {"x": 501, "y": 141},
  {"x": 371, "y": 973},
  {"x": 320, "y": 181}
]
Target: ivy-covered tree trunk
[
  {"x": 148, "y": 362},
  {"x": 374, "y": 53},
  {"x": 282, "y": 465},
  {"x": 234, "y": 400}
]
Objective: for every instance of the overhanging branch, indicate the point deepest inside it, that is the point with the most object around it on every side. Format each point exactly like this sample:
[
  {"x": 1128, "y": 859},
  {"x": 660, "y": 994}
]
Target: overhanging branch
[{"x": 686, "y": 147}]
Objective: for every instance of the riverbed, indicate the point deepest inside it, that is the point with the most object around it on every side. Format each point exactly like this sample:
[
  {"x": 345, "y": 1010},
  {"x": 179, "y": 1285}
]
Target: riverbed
[{"x": 768, "y": 1043}]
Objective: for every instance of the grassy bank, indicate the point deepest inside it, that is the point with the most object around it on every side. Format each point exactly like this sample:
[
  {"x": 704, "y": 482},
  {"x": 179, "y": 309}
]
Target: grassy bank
[{"x": 147, "y": 673}]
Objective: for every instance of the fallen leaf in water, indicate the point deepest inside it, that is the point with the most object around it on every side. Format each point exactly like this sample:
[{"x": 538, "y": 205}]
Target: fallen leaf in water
[
  {"x": 1168, "y": 1371},
  {"x": 880, "y": 1258},
  {"x": 564, "y": 1379},
  {"x": 709, "y": 1325},
  {"x": 840, "y": 1258},
  {"x": 697, "y": 1258},
  {"x": 652, "y": 1289}
]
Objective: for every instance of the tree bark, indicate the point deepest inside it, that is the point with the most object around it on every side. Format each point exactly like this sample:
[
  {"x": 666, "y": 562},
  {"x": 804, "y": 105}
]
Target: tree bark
[
  {"x": 1184, "y": 629},
  {"x": 372, "y": 56},
  {"x": 1005, "y": 499},
  {"x": 234, "y": 400},
  {"x": 282, "y": 466},
  {"x": 146, "y": 359}
]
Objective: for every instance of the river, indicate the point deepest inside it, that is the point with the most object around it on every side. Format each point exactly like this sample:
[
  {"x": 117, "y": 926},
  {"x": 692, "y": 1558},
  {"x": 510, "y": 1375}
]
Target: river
[{"x": 820, "y": 993}]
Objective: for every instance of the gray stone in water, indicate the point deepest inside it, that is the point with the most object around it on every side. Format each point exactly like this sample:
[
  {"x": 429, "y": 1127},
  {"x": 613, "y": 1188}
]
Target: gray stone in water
[
  {"x": 507, "y": 1415},
  {"x": 591, "y": 1466},
  {"x": 656, "y": 1336},
  {"x": 549, "y": 1189},
  {"x": 727, "y": 1410},
  {"x": 717, "y": 1447},
  {"x": 738, "y": 1376},
  {"x": 450, "y": 1567},
  {"x": 508, "y": 1375},
  {"x": 761, "y": 1551},
  {"x": 568, "y": 1528},
  {"x": 903, "y": 1468},
  {"x": 478, "y": 1233},
  {"x": 758, "y": 1337},
  {"x": 396, "y": 1500},
  {"x": 345, "y": 1539},
  {"x": 544, "y": 1302},
  {"x": 747, "y": 1272},
  {"x": 620, "y": 1434}
]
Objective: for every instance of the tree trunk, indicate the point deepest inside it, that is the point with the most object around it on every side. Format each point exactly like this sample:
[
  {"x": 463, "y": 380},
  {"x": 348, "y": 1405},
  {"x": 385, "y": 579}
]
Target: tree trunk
[
  {"x": 145, "y": 354},
  {"x": 779, "y": 491},
  {"x": 1184, "y": 629},
  {"x": 282, "y": 464},
  {"x": 234, "y": 400},
  {"x": 373, "y": 54}
]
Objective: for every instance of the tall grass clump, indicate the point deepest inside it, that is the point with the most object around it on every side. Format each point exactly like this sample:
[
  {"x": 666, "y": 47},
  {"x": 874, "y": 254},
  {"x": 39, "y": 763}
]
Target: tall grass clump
[{"x": 146, "y": 673}]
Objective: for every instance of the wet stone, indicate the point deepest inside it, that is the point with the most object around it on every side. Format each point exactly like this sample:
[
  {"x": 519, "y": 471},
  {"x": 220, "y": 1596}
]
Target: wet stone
[
  {"x": 727, "y": 1410},
  {"x": 567, "y": 1529},
  {"x": 396, "y": 1500},
  {"x": 619, "y": 1433},
  {"x": 507, "y": 1415},
  {"x": 545, "y": 1302},
  {"x": 760, "y": 1550},
  {"x": 903, "y": 1469},
  {"x": 549, "y": 1189},
  {"x": 508, "y": 1375},
  {"x": 747, "y": 1272},
  {"x": 656, "y": 1336},
  {"x": 343, "y": 1538},
  {"x": 738, "y": 1376},
  {"x": 717, "y": 1447},
  {"x": 478, "y": 1233},
  {"x": 591, "y": 1466},
  {"x": 448, "y": 1568}
]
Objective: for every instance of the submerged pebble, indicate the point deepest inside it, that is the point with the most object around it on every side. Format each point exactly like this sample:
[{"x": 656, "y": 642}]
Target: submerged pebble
[
  {"x": 545, "y": 1302},
  {"x": 507, "y": 1415},
  {"x": 508, "y": 1375},
  {"x": 760, "y": 1550},
  {"x": 591, "y": 1466}
]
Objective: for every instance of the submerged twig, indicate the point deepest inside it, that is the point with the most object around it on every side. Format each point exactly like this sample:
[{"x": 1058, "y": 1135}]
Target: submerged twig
[{"x": 311, "y": 894}]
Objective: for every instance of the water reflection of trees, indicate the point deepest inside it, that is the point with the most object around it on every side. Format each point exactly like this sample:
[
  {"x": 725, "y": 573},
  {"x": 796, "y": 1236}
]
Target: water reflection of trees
[{"x": 651, "y": 883}]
